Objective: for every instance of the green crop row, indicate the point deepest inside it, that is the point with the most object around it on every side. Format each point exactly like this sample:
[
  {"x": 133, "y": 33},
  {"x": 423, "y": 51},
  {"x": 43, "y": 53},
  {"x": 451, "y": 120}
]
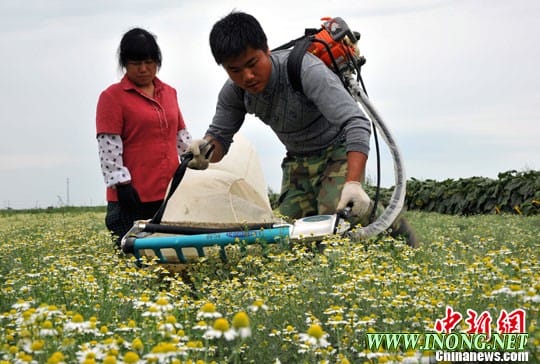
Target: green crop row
[{"x": 512, "y": 192}]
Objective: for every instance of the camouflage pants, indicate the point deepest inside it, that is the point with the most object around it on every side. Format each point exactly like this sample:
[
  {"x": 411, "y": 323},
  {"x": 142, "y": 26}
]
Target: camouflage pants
[{"x": 311, "y": 185}]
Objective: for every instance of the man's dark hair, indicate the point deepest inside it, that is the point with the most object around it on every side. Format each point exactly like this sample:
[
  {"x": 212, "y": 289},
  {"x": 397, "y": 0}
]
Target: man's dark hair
[
  {"x": 233, "y": 34},
  {"x": 138, "y": 45}
]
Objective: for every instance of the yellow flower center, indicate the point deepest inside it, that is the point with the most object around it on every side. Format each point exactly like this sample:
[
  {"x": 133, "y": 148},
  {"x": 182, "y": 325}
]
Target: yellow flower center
[
  {"x": 515, "y": 287},
  {"x": 56, "y": 357},
  {"x": 109, "y": 359},
  {"x": 137, "y": 344},
  {"x": 194, "y": 344},
  {"x": 208, "y": 307},
  {"x": 164, "y": 348},
  {"x": 162, "y": 301},
  {"x": 258, "y": 303},
  {"x": 27, "y": 314},
  {"x": 221, "y": 324},
  {"x": 130, "y": 357},
  {"x": 315, "y": 331},
  {"x": 38, "y": 345},
  {"x": 90, "y": 356},
  {"x": 240, "y": 320}
]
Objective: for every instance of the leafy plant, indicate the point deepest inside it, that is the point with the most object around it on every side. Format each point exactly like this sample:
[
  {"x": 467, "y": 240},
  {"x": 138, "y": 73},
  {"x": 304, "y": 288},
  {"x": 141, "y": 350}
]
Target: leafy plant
[{"x": 512, "y": 192}]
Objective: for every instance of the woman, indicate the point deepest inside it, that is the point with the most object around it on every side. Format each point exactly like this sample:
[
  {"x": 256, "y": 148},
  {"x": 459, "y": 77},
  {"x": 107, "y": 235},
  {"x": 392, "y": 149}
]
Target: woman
[{"x": 140, "y": 133}]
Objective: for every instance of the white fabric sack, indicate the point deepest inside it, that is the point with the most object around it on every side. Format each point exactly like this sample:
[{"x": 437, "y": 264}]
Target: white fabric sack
[{"x": 230, "y": 192}]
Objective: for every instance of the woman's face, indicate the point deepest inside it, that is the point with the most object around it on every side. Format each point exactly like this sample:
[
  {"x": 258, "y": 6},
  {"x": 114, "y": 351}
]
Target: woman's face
[
  {"x": 141, "y": 73},
  {"x": 251, "y": 70}
]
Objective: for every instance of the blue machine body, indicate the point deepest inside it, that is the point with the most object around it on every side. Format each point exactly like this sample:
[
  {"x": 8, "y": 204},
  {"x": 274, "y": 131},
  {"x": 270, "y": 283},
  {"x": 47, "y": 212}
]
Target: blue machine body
[{"x": 279, "y": 234}]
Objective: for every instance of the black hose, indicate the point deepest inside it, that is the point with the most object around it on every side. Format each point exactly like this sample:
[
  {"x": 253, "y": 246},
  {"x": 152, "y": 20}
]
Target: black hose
[
  {"x": 185, "y": 230},
  {"x": 378, "y": 153},
  {"x": 357, "y": 67}
]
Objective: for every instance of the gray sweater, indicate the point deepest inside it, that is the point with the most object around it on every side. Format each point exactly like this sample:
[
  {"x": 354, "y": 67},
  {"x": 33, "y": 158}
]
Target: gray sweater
[{"x": 305, "y": 123}]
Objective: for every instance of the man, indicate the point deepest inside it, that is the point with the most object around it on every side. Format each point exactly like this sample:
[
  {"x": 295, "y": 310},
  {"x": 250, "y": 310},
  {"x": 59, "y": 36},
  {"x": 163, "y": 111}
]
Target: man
[{"x": 325, "y": 133}]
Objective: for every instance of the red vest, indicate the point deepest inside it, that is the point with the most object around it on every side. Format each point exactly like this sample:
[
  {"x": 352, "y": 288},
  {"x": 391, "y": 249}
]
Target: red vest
[{"x": 148, "y": 128}]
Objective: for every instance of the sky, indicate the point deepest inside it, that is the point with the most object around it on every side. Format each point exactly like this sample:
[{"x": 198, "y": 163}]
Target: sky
[{"x": 456, "y": 82}]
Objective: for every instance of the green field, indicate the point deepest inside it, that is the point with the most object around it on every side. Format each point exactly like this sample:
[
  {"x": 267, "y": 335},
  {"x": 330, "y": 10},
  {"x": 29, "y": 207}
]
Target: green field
[{"x": 68, "y": 296}]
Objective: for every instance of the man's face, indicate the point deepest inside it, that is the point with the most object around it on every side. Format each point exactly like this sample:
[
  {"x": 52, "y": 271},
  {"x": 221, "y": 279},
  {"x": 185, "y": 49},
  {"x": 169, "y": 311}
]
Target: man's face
[{"x": 250, "y": 70}]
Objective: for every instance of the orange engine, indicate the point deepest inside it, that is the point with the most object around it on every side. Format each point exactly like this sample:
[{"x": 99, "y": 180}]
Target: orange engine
[{"x": 339, "y": 39}]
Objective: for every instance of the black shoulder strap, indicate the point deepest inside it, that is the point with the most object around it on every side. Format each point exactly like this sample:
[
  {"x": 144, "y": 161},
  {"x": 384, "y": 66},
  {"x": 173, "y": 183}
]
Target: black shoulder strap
[
  {"x": 177, "y": 178},
  {"x": 294, "y": 63}
]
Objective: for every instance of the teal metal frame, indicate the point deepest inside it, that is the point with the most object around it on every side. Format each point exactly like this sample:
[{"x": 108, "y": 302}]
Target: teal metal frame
[{"x": 198, "y": 242}]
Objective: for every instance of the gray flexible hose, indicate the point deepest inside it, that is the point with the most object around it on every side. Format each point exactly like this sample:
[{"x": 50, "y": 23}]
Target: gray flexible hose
[{"x": 397, "y": 199}]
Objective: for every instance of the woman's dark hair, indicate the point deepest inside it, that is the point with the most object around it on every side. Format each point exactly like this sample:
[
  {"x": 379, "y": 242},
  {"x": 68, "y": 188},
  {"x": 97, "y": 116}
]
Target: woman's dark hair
[
  {"x": 138, "y": 45},
  {"x": 233, "y": 34}
]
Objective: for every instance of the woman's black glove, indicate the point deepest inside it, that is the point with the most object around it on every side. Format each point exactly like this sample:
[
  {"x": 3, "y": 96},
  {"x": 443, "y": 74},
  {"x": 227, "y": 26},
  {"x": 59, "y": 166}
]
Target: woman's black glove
[{"x": 128, "y": 196}]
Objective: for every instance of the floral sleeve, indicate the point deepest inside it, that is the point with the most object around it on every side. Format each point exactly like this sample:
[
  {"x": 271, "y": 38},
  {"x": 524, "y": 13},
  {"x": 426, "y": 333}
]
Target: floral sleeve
[
  {"x": 110, "y": 155},
  {"x": 183, "y": 140}
]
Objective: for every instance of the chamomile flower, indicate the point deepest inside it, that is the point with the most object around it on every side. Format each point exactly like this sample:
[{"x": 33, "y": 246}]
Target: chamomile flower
[
  {"x": 137, "y": 344},
  {"x": 337, "y": 319},
  {"x": 221, "y": 328},
  {"x": 35, "y": 346},
  {"x": 89, "y": 353},
  {"x": 164, "y": 352},
  {"x": 532, "y": 298},
  {"x": 257, "y": 305},
  {"x": 48, "y": 311},
  {"x": 162, "y": 304},
  {"x": 78, "y": 325},
  {"x": 142, "y": 302},
  {"x": 22, "y": 305},
  {"x": 208, "y": 310},
  {"x": 158, "y": 308},
  {"x": 314, "y": 337},
  {"x": 131, "y": 326},
  {"x": 132, "y": 358},
  {"x": 201, "y": 325},
  {"x": 152, "y": 311},
  {"x": 47, "y": 329},
  {"x": 332, "y": 310},
  {"x": 195, "y": 345},
  {"x": 240, "y": 323},
  {"x": 56, "y": 358},
  {"x": 169, "y": 325},
  {"x": 511, "y": 291}
]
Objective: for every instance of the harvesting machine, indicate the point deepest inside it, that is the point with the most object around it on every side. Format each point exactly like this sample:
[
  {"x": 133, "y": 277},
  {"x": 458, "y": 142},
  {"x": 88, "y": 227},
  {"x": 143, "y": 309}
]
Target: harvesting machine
[{"x": 228, "y": 203}]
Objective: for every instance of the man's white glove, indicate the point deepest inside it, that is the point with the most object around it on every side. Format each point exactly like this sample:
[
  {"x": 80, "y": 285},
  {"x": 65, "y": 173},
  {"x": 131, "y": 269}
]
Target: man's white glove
[
  {"x": 200, "y": 149},
  {"x": 353, "y": 194}
]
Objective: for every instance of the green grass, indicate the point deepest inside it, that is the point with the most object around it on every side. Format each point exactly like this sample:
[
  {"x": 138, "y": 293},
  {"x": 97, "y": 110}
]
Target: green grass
[{"x": 67, "y": 295}]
